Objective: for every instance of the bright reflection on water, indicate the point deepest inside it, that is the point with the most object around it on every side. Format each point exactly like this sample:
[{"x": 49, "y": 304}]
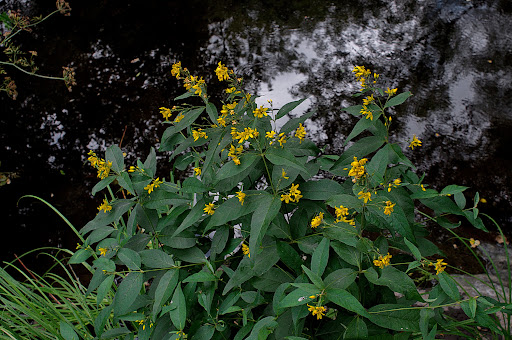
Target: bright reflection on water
[{"x": 453, "y": 55}]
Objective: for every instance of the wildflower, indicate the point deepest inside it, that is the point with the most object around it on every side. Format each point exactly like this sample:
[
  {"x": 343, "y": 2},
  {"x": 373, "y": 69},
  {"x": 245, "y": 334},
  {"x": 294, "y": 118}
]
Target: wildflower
[
  {"x": 361, "y": 72},
  {"x": 199, "y": 86},
  {"x": 318, "y": 311},
  {"x": 236, "y": 160},
  {"x": 132, "y": 169},
  {"x": 229, "y": 108},
  {"x": 483, "y": 200},
  {"x": 166, "y": 113},
  {"x": 105, "y": 206},
  {"x": 92, "y": 158},
  {"x": 394, "y": 184},
  {"x": 388, "y": 209},
  {"x": 357, "y": 171},
  {"x": 270, "y": 134},
  {"x": 241, "y": 196},
  {"x": 245, "y": 250},
  {"x": 293, "y": 196},
  {"x": 415, "y": 142},
  {"x": 181, "y": 334},
  {"x": 152, "y": 186},
  {"x": 103, "y": 251},
  {"x": 423, "y": 188},
  {"x": 231, "y": 90},
  {"x": 300, "y": 133},
  {"x": 317, "y": 220},
  {"x": 222, "y": 72},
  {"x": 176, "y": 68},
  {"x": 78, "y": 246},
  {"x": 365, "y": 112},
  {"x": 368, "y": 100},
  {"x": 341, "y": 215},
  {"x": 260, "y": 112},
  {"x": 283, "y": 174},
  {"x": 282, "y": 139},
  {"x": 179, "y": 118},
  {"x": 365, "y": 196},
  {"x": 474, "y": 243},
  {"x": 235, "y": 152},
  {"x": 197, "y": 171},
  {"x": 245, "y": 135},
  {"x": 391, "y": 92},
  {"x": 209, "y": 208},
  {"x": 103, "y": 168},
  {"x": 375, "y": 77},
  {"x": 383, "y": 261},
  {"x": 199, "y": 133},
  {"x": 440, "y": 266}
]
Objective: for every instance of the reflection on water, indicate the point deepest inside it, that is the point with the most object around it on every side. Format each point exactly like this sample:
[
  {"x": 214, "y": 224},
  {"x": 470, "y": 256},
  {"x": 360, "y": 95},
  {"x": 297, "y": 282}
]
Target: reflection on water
[{"x": 453, "y": 55}]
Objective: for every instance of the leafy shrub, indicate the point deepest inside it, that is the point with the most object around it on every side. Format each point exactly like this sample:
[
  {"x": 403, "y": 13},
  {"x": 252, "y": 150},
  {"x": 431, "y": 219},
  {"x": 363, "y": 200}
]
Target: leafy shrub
[{"x": 268, "y": 237}]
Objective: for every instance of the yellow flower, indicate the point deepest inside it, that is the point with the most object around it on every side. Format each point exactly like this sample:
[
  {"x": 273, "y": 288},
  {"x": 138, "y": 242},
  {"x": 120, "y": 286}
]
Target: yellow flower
[
  {"x": 209, "y": 208},
  {"x": 300, "y": 133},
  {"x": 179, "y": 118},
  {"x": 394, "y": 184},
  {"x": 78, "y": 246},
  {"x": 365, "y": 112},
  {"x": 286, "y": 198},
  {"x": 388, "y": 209},
  {"x": 383, "y": 261},
  {"x": 282, "y": 139},
  {"x": 474, "y": 243},
  {"x": 197, "y": 171},
  {"x": 415, "y": 142},
  {"x": 155, "y": 184},
  {"x": 365, "y": 196},
  {"x": 260, "y": 112},
  {"x": 357, "y": 171},
  {"x": 423, "y": 188},
  {"x": 341, "y": 215},
  {"x": 241, "y": 196},
  {"x": 229, "y": 108},
  {"x": 199, "y": 133},
  {"x": 222, "y": 120},
  {"x": 283, "y": 174},
  {"x": 198, "y": 86},
  {"x": 222, "y": 72},
  {"x": 176, "y": 68},
  {"x": 270, "y": 134},
  {"x": 483, "y": 200},
  {"x": 318, "y": 311},
  {"x": 166, "y": 112},
  {"x": 440, "y": 266},
  {"x": 105, "y": 206},
  {"x": 132, "y": 169},
  {"x": 103, "y": 251},
  {"x": 245, "y": 250},
  {"x": 236, "y": 160},
  {"x": 391, "y": 92},
  {"x": 231, "y": 90},
  {"x": 317, "y": 220},
  {"x": 368, "y": 100}
]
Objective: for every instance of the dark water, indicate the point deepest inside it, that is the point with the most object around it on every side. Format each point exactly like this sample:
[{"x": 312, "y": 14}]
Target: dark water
[{"x": 454, "y": 56}]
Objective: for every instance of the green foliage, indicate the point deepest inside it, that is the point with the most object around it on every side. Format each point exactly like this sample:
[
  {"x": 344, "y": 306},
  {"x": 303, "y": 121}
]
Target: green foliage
[{"x": 254, "y": 245}]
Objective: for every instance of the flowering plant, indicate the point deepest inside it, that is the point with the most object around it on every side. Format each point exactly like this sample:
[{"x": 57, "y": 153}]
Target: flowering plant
[{"x": 268, "y": 237}]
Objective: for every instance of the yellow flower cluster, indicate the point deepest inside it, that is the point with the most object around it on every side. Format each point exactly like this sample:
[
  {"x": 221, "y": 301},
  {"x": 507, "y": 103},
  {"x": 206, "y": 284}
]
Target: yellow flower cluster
[
  {"x": 318, "y": 311},
  {"x": 388, "y": 209},
  {"x": 222, "y": 72},
  {"x": 260, "y": 112},
  {"x": 209, "y": 208},
  {"x": 176, "y": 70},
  {"x": 366, "y": 112},
  {"x": 283, "y": 174},
  {"x": 362, "y": 74},
  {"x": 440, "y": 266},
  {"x": 391, "y": 92},
  {"x": 235, "y": 152},
  {"x": 244, "y": 135},
  {"x": 199, "y": 133},
  {"x": 241, "y": 196},
  {"x": 365, "y": 196},
  {"x": 317, "y": 220},
  {"x": 341, "y": 215},
  {"x": 293, "y": 196},
  {"x": 229, "y": 108},
  {"x": 189, "y": 81},
  {"x": 415, "y": 142},
  {"x": 197, "y": 171},
  {"x": 166, "y": 112},
  {"x": 245, "y": 250},
  {"x": 103, "y": 251},
  {"x": 153, "y": 185},
  {"x": 105, "y": 206},
  {"x": 394, "y": 184},
  {"x": 383, "y": 261},
  {"x": 300, "y": 133},
  {"x": 100, "y": 164},
  {"x": 357, "y": 171}
]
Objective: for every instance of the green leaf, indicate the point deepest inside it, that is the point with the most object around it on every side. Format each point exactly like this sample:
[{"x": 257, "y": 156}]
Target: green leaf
[
  {"x": 193, "y": 185},
  {"x": 146, "y": 218},
  {"x": 320, "y": 190},
  {"x": 241, "y": 275},
  {"x": 315, "y": 278},
  {"x": 205, "y": 332},
  {"x": 398, "y": 99},
  {"x": 320, "y": 257},
  {"x": 127, "y": 292},
  {"x": 395, "y": 280},
  {"x": 428, "y": 193},
  {"x": 124, "y": 181},
  {"x": 164, "y": 290},
  {"x": 115, "y": 333},
  {"x": 354, "y": 110},
  {"x": 288, "y": 107},
  {"x": 270, "y": 280},
  {"x": 156, "y": 258},
  {"x": 211, "y": 110},
  {"x": 115, "y": 155},
  {"x": 293, "y": 123},
  {"x": 452, "y": 189},
  {"x": 395, "y": 317},
  {"x": 449, "y": 286},
  {"x": 201, "y": 276},
  {"x": 413, "y": 248},
  {"x": 378, "y": 164},
  {"x": 361, "y": 148},
  {"x": 99, "y": 234},
  {"x": 360, "y": 126},
  {"x": 161, "y": 198},
  {"x": 103, "y": 184},
  {"x": 356, "y": 329},
  {"x": 80, "y": 256},
  {"x": 179, "y": 313},
  {"x": 346, "y": 300},
  {"x": 230, "y": 210},
  {"x": 104, "y": 288},
  {"x": 185, "y": 95},
  {"x": 228, "y": 302},
  {"x": 129, "y": 258},
  {"x": 263, "y": 328},
  {"x": 150, "y": 163},
  {"x": 298, "y": 297},
  {"x": 348, "y": 201},
  {"x": 340, "y": 279},
  {"x": 192, "y": 255},
  {"x": 283, "y": 157},
  {"x": 469, "y": 307},
  {"x": 195, "y": 215},
  {"x": 67, "y": 331},
  {"x": 289, "y": 256},
  {"x": 219, "y": 240},
  {"x": 267, "y": 210},
  {"x": 230, "y": 169},
  {"x": 348, "y": 253}
]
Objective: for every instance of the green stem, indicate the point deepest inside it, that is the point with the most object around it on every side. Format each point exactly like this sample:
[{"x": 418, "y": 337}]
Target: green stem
[{"x": 30, "y": 73}]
